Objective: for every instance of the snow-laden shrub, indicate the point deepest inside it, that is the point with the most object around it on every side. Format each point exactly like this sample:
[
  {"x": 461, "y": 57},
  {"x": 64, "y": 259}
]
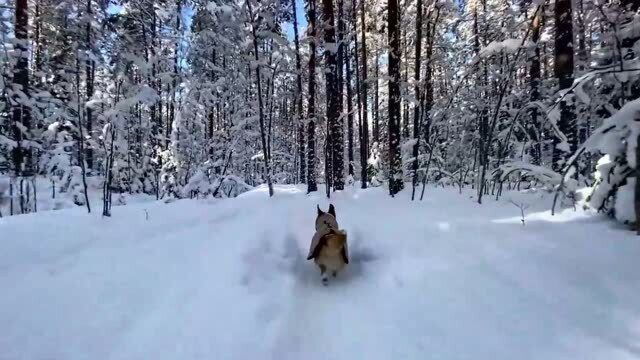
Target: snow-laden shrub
[
  {"x": 74, "y": 185},
  {"x": 350, "y": 180},
  {"x": 233, "y": 186},
  {"x": 169, "y": 175},
  {"x": 616, "y": 139},
  {"x": 375, "y": 171},
  {"x": 205, "y": 183},
  {"x": 547, "y": 178}
]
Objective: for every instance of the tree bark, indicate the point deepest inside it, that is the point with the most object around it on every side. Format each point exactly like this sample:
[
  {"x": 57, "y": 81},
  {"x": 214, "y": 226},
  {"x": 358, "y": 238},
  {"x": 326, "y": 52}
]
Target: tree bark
[
  {"x": 534, "y": 75},
  {"x": 636, "y": 200},
  {"x": 263, "y": 136},
  {"x": 416, "y": 108},
  {"x": 376, "y": 99},
  {"x": 395, "y": 161},
  {"x": 347, "y": 61},
  {"x": 89, "y": 73},
  {"x": 563, "y": 67},
  {"x": 174, "y": 81},
  {"x": 311, "y": 113},
  {"x": 21, "y": 115},
  {"x": 302, "y": 171},
  {"x": 364, "y": 136},
  {"x": 334, "y": 162},
  {"x": 338, "y": 125},
  {"x": 403, "y": 101}
]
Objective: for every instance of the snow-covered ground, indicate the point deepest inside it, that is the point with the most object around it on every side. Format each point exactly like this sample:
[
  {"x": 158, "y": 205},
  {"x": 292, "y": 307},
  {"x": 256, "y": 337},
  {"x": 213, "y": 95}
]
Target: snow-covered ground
[
  {"x": 227, "y": 279},
  {"x": 49, "y": 195}
]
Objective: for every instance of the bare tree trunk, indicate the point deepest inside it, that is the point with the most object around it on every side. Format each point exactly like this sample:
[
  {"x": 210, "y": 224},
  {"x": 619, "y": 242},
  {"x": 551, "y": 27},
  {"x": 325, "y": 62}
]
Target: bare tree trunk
[
  {"x": 418, "y": 96},
  {"x": 338, "y": 125},
  {"x": 403, "y": 101},
  {"x": 563, "y": 67},
  {"x": 534, "y": 75},
  {"x": 364, "y": 137},
  {"x": 356, "y": 59},
  {"x": 174, "y": 81},
  {"x": 81, "y": 139},
  {"x": 311, "y": 113},
  {"x": 21, "y": 115},
  {"x": 334, "y": 128},
  {"x": 376, "y": 99},
  {"x": 302, "y": 170},
  {"x": 395, "y": 161},
  {"x": 428, "y": 96},
  {"x": 347, "y": 61},
  {"x": 636, "y": 200},
  {"x": 263, "y": 135},
  {"x": 90, "y": 72},
  {"x": 484, "y": 132}
]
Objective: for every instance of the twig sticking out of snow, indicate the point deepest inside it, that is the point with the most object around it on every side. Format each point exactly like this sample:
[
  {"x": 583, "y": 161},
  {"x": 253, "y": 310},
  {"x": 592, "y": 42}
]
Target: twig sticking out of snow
[{"x": 522, "y": 207}]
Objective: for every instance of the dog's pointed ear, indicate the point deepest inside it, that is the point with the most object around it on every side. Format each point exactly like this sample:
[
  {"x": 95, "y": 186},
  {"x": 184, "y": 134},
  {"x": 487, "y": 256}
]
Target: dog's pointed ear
[
  {"x": 332, "y": 210},
  {"x": 320, "y": 212}
]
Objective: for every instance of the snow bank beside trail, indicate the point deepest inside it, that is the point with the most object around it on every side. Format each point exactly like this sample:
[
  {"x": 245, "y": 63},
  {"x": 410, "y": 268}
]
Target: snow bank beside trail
[
  {"x": 50, "y": 197},
  {"x": 227, "y": 279}
]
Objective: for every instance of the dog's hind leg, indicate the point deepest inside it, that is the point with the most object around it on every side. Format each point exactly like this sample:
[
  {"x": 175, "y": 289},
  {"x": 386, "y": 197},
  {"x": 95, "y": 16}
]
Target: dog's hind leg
[{"x": 323, "y": 274}]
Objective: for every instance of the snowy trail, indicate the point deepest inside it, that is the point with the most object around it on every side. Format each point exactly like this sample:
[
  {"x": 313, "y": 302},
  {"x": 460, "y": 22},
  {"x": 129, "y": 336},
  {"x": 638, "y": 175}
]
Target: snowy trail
[{"x": 441, "y": 279}]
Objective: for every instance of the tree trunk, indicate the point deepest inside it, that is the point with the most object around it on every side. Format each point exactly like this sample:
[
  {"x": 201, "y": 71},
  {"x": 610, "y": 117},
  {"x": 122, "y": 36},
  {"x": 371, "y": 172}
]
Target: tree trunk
[
  {"x": 263, "y": 135},
  {"x": 636, "y": 201},
  {"x": 302, "y": 171},
  {"x": 21, "y": 115},
  {"x": 563, "y": 67},
  {"x": 81, "y": 150},
  {"x": 311, "y": 113},
  {"x": 174, "y": 81},
  {"x": 483, "y": 120},
  {"x": 338, "y": 126},
  {"x": 376, "y": 99},
  {"x": 334, "y": 128},
  {"x": 428, "y": 98},
  {"x": 364, "y": 137},
  {"x": 347, "y": 61},
  {"x": 534, "y": 75},
  {"x": 416, "y": 108},
  {"x": 403, "y": 100},
  {"x": 89, "y": 72},
  {"x": 395, "y": 161}
]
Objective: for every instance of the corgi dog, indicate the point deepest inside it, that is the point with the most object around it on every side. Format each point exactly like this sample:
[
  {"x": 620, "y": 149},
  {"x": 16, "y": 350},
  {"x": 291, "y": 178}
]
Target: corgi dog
[{"x": 329, "y": 248}]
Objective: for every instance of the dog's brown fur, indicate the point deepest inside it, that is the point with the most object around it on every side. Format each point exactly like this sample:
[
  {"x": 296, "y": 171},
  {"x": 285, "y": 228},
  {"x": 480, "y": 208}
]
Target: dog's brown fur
[{"x": 329, "y": 248}]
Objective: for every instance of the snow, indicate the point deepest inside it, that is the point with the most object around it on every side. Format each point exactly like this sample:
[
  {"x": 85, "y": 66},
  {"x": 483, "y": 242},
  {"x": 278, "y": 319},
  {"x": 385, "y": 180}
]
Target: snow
[
  {"x": 509, "y": 46},
  {"x": 69, "y": 193},
  {"x": 444, "y": 278},
  {"x": 616, "y": 139},
  {"x": 624, "y": 201}
]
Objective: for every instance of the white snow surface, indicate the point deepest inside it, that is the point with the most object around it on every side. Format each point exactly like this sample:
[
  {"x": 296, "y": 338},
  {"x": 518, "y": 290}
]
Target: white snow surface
[{"x": 444, "y": 278}]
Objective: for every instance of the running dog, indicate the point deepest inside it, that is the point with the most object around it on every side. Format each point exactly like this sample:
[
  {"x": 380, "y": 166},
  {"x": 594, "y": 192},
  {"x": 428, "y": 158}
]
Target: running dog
[{"x": 329, "y": 249}]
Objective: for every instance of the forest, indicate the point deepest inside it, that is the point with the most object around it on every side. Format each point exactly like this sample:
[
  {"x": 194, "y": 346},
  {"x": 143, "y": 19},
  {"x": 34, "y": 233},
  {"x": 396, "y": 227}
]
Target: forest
[
  {"x": 211, "y": 98},
  {"x": 319, "y": 179}
]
